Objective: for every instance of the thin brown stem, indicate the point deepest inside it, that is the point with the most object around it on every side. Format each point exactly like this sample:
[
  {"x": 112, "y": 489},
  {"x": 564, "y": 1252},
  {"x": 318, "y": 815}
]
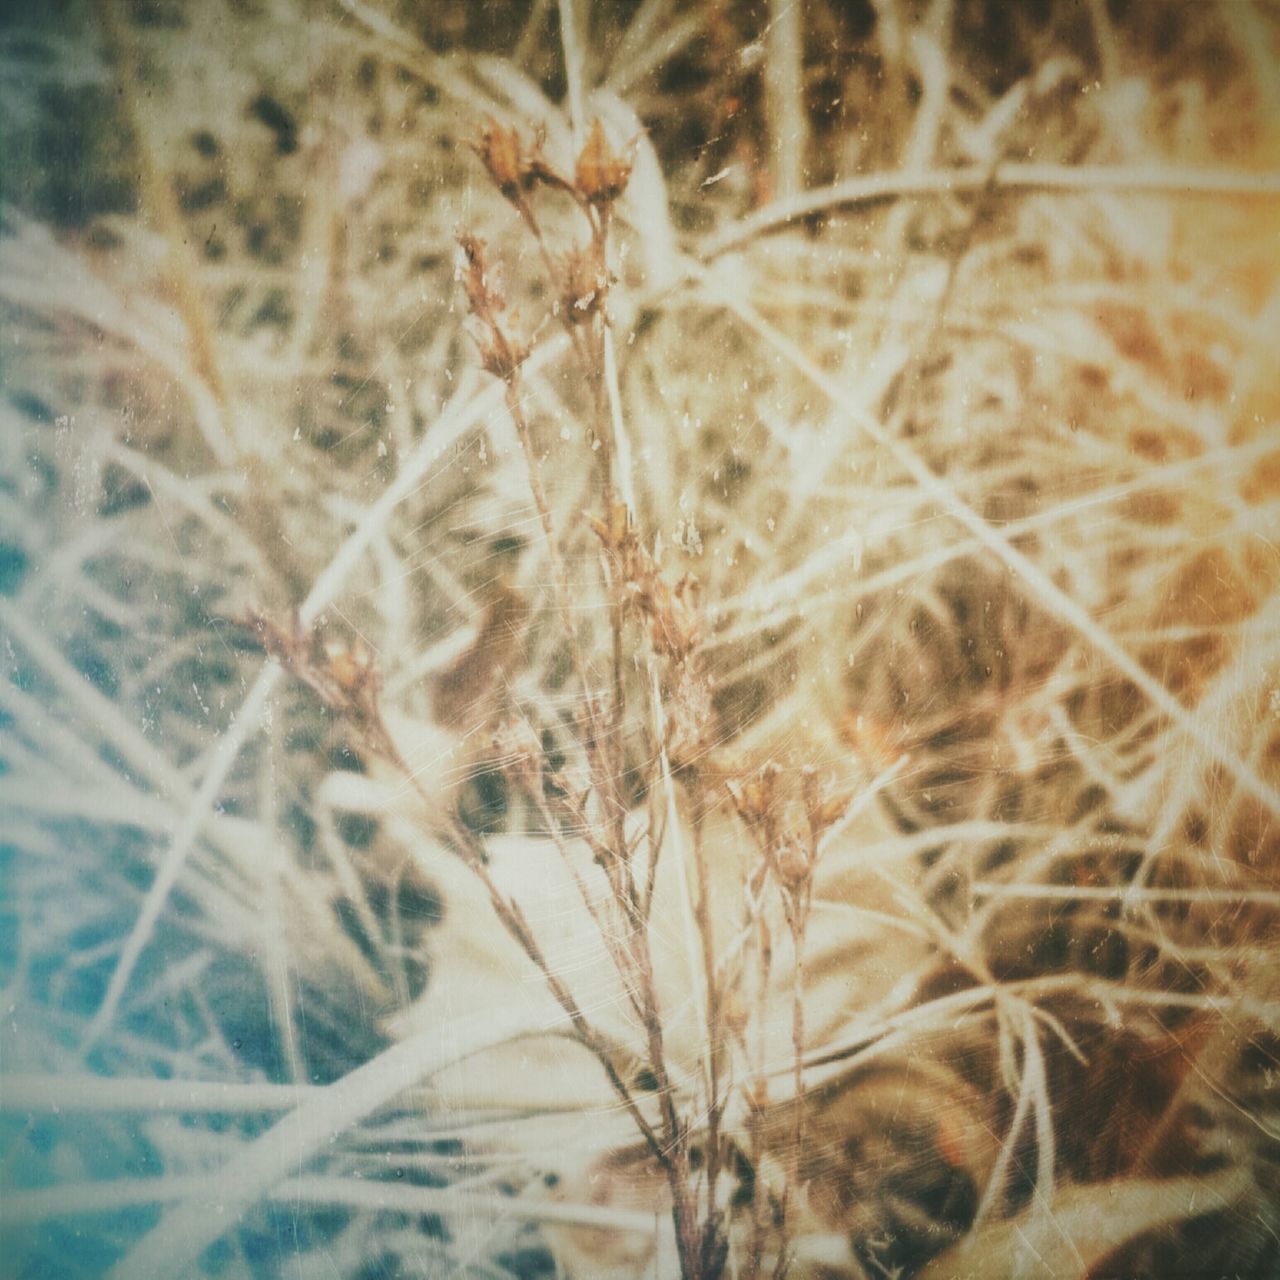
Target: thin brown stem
[
  {"x": 516, "y": 924},
  {"x": 601, "y": 808},
  {"x": 791, "y": 1181},
  {"x": 711, "y": 979},
  {"x": 757, "y": 1100}
]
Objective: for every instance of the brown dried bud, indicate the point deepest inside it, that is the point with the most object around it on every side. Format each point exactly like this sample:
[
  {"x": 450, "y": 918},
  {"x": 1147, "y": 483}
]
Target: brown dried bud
[
  {"x": 483, "y": 296},
  {"x": 343, "y": 675},
  {"x": 601, "y": 175},
  {"x": 614, "y": 527},
  {"x": 350, "y": 667},
  {"x": 823, "y": 806},
  {"x": 753, "y": 797},
  {"x": 584, "y": 284},
  {"x": 348, "y": 681},
  {"x": 810, "y": 788},
  {"x": 794, "y": 864},
  {"x": 500, "y": 354},
  {"x": 503, "y": 157},
  {"x": 832, "y": 809},
  {"x": 746, "y": 800}
]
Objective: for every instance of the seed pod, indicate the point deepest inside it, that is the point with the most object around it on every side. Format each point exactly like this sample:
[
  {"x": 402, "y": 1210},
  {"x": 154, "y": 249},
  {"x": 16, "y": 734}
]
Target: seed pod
[
  {"x": 502, "y": 156},
  {"x": 601, "y": 175}
]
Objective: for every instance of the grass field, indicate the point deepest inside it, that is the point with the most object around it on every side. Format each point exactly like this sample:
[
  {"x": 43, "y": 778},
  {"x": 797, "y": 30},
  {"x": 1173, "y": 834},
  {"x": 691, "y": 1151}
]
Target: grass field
[{"x": 640, "y": 639}]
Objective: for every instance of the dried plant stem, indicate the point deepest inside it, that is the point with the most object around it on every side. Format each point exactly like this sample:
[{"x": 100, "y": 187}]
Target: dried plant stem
[
  {"x": 1007, "y": 176},
  {"x": 792, "y": 1179},
  {"x": 757, "y": 1098},
  {"x": 621, "y": 464},
  {"x": 788, "y": 118},
  {"x": 516, "y": 924},
  {"x": 669, "y": 1143},
  {"x": 632, "y": 585},
  {"x": 559, "y": 577},
  {"x": 534, "y": 470},
  {"x": 712, "y": 1017}
]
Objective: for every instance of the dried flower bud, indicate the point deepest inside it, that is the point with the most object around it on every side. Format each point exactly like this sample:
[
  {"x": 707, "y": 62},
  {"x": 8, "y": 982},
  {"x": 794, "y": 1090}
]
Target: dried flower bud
[
  {"x": 500, "y": 152},
  {"x": 614, "y": 528},
  {"x": 483, "y": 297},
  {"x": 343, "y": 675},
  {"x": 691, "y": 721},
  {"x": 350, "y": 667},
  {"x": 753, "y": 796},
  {"x": 810, "y": 788},
  {"x": 348, "y": 681},
  {"x": 601, "y": 175},
  {"x": 832, "y": 809},
  {"x": 584, "y": 284},
  {"x": 500, "y": 354},
  {"x": 768, "y": 781},
  {"x": 794, "y": 864},
  {"x": 747, "y": 799},
  {"x": 823, "y": 807}
]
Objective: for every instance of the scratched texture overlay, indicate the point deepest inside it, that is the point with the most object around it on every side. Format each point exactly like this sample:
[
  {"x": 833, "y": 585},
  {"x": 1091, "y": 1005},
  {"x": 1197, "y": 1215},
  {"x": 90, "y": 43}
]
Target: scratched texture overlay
[{"x": 639, "y": 638}]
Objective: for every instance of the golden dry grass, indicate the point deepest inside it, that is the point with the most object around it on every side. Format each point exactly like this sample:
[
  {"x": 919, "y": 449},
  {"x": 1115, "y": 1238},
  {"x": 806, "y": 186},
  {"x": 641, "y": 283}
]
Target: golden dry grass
[{"x": 942, "y": 354}]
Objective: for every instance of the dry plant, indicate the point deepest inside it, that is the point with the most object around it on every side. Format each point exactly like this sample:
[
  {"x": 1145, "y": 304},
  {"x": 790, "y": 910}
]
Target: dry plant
[
  {"x": 659, "y": 757},
  {"x": 640, "y": 639}
]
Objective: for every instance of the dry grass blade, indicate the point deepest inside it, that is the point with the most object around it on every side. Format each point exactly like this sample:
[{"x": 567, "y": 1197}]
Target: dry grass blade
[
  {"x": 1045, "y": 590},
  {"x": 185, "y": 1231},
  {"x": 1083, "y": 1226},
  {"x": 1083, "y": 180}
]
